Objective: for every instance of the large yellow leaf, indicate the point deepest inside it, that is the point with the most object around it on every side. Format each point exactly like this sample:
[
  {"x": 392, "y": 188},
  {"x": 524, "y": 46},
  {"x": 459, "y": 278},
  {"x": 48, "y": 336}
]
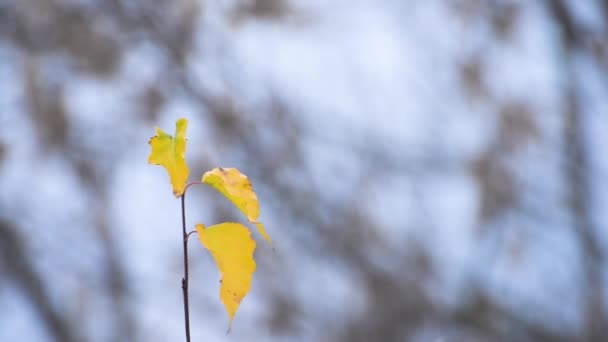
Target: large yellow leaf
[
  {"x": 237, "y": 188},
  {"x": 232, "y": 248},
  {"x": 170, "y": 152}
]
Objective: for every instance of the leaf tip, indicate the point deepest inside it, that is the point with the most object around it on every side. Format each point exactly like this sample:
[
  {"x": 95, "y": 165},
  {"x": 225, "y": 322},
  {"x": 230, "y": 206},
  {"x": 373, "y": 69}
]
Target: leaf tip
[
  {"x": 229, "y": 327},
  {"x": 262, "y": 231}
]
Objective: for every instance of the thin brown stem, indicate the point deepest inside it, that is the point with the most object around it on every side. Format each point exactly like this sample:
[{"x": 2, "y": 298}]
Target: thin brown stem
[
  {"x": 185, "y": 278},
  {"x": 190, "y": 184},
  {"x": 185, "y": 236}
]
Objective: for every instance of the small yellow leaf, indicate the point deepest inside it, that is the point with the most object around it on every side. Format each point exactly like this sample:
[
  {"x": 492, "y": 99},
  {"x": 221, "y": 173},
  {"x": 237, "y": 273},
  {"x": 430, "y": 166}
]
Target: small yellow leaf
[
  {"x": 171, "y": 153},
  {"x": 237, "y": 188},
  {"x": 232, "y": 248}
]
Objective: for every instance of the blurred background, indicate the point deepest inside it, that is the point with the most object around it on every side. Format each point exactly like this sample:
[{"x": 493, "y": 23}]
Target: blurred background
[{"x": 428, "y": 170}]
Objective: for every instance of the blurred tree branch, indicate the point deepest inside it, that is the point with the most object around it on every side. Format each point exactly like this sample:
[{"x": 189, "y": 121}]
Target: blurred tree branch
[
  {"x": 576, "y": 39},
  {"x": 16, "y": 260}
]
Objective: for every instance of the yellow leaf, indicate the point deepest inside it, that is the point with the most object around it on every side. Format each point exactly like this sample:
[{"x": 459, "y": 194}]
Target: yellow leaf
[
  {"x": 171, "y": 153},
  {"x": 237, "y": 188},
  {"x": 232, "y": 248}
]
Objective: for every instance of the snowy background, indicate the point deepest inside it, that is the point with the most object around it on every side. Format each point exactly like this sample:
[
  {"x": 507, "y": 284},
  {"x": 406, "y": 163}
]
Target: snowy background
[{"x": 428, "y": 170}]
